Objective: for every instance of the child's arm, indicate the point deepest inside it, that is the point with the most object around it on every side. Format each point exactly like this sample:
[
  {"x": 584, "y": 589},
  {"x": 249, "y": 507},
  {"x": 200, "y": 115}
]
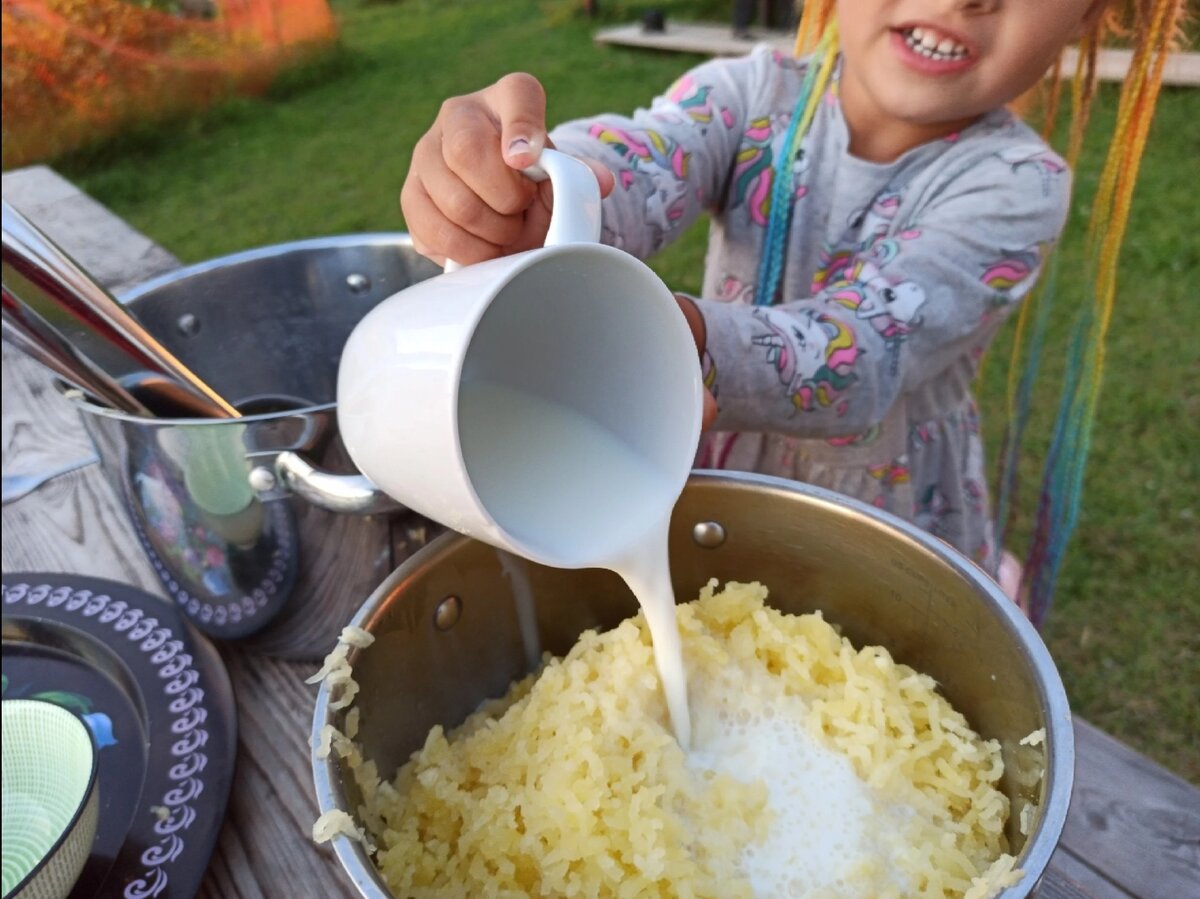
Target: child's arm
[
  {"x": 465, "y": 199},
  {"x": 923, "y": 298}
]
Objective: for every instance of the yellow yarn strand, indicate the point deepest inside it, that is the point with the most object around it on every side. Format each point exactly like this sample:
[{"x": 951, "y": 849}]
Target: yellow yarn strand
[
  {"x": 1080, "y": 95},
  {"x": 1114, "y": 195},
  {"x": 814, "y": 19},
  {"x": 827, "y": 50}
]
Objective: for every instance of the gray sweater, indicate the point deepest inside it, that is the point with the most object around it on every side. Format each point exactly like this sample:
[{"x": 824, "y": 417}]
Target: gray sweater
[{"x": 896, "y": 277}]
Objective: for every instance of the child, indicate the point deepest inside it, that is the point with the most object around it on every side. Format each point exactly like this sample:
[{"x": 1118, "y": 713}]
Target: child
[{"x": 877, "y": 213}]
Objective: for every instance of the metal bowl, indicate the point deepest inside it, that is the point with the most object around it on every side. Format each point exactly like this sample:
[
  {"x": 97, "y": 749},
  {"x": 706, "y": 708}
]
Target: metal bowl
[
  {"x": 51, "y": 798},
  {"x": 448, "y": 634},
  {"x": 259, "y": 528}
]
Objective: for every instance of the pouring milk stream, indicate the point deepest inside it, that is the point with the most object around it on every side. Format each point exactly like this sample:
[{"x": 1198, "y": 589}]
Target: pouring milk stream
[{"x": 548, "y": 403}]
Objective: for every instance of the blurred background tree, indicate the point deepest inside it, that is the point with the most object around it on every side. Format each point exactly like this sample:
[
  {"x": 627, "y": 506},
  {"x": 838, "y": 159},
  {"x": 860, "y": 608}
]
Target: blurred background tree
[{"x": 78, "y": 71}]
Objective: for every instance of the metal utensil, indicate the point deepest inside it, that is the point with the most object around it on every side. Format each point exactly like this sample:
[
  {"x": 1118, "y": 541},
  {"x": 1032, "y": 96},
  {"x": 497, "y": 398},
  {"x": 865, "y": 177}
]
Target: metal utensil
[
  {"x": 19, "y": 485},
  {"x": 46, "y": 346},
  {"x": 67, "y": 301}
]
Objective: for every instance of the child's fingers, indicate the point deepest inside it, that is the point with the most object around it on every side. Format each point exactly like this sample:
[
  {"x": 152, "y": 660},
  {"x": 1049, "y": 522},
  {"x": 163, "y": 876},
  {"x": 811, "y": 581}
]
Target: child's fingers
[
  {"x": 710, "y": 411},
  {"x": 604, "y": 176},
  {"x": 470, "y": 147},
  {"x": 459, "y": 203},
  {"x": 435, "y": 236},
  {"x": 519, "y": 103},
  {"x": 536, "y": 222}
]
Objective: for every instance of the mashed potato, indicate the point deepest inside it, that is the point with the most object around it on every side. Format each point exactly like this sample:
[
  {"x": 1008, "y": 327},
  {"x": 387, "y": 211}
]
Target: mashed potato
[{"x": 573, "y": 785}]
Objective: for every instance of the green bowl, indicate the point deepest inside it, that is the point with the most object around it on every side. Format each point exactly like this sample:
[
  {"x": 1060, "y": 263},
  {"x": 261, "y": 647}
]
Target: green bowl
[{"x": 50, "y": 799}]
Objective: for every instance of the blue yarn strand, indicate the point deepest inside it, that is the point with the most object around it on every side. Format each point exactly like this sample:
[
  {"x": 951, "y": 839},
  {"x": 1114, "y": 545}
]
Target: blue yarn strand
[
  {"x": 770, "y": 264},
  {"x": 1014, "y": 436},
  {"x": 1063, "y": 476}
]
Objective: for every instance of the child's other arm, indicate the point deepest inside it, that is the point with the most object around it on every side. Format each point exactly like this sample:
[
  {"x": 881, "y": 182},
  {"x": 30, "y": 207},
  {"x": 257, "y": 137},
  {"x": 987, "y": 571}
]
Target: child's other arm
[
  {"x": 904, "y": 309},
  {"x": 465, "y": 197}
]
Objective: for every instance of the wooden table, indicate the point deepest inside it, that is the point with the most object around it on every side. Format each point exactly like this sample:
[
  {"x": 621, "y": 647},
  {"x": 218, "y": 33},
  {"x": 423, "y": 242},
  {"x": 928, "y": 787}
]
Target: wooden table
[{"x": 1133, "y": 830}]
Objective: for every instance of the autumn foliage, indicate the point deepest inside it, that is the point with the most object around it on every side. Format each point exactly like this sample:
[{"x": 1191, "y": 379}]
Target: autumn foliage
[{"x": 78, "y": 70}]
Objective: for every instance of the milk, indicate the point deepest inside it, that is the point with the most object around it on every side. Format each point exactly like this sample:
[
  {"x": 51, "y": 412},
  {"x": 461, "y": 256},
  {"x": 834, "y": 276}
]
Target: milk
[
  {"x": 829, "y": 831},
  {"x": 593, "y": 498}
]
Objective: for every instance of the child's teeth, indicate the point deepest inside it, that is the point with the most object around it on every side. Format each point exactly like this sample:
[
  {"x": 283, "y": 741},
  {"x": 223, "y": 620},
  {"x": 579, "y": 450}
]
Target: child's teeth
[{"x": 929, "y": 45}]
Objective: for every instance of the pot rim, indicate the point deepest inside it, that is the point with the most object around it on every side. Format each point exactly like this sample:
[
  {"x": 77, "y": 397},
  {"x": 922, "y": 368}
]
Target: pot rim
[
  {"x": 1059, "y": 774},
  {"x": 132, "y": 294}
]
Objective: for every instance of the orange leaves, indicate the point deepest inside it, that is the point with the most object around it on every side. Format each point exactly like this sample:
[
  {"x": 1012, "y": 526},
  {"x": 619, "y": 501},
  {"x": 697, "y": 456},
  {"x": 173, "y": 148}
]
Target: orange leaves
[{"x": 78, "y": 70}]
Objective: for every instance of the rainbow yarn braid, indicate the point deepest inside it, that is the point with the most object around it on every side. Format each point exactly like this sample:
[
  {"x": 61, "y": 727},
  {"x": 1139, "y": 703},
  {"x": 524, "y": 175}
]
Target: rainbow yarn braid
[{"x": 1155, "y": 24}]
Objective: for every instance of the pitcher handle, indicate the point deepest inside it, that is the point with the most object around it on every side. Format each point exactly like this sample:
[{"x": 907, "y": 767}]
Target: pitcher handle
[
  {"x": 576, "y": 214},
  {"x": 345, "y": 493}
]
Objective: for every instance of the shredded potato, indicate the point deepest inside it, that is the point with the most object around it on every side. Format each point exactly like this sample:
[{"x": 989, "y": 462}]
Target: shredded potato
[
  {"x": 334, "y": 662},
  {"x": 1026, "y": 820},
  {"x": 1037, "y": 738},
  {"x": 356, "y": 636},
  {"x": 325, "y": 741},
  {"x": 573, "y": 785},
  {"x": 335, "y": 822}
]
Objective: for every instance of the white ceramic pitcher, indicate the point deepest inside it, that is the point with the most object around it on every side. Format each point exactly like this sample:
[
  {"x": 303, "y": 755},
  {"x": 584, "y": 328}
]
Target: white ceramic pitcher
[{"x": 480, "y": 397}]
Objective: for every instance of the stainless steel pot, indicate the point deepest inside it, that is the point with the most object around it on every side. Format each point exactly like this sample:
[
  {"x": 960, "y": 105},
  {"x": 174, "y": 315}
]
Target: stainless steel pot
[
  {"x": 449, "y": 633},
  {"x": 259, "y": 527}
]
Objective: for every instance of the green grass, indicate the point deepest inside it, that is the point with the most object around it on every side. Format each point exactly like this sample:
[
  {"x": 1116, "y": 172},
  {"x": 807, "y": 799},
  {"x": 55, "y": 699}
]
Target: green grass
[{"x": 326, "y": 153}]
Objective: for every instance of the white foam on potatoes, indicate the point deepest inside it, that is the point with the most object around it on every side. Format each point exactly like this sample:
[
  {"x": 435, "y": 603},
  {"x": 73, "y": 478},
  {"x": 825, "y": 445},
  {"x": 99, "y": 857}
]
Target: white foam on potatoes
[{"x": 830, "y": 833}]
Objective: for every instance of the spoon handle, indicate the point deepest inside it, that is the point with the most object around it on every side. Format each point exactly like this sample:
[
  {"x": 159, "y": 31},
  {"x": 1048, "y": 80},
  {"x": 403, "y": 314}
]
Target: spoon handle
[
  {"x": 38, "y": 275},
  {"x": 46, "y": 346}
]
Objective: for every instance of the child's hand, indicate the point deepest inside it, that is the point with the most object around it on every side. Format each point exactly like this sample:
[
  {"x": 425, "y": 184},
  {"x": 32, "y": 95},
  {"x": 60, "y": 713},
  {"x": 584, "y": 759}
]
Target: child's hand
[
  {"x": 465, "y": 197},
  {"x": 695, "y": 321}
]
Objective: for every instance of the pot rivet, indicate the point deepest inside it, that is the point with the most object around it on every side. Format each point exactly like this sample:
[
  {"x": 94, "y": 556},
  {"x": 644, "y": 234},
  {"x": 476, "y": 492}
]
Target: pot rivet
[
  {"x": 709, "y": 534},
  {"x": 358, "y": 283},
  {"x": 447, "y": 613},
  {"x": 188, "y": 325},
  {"x": 262, "y": 479}
]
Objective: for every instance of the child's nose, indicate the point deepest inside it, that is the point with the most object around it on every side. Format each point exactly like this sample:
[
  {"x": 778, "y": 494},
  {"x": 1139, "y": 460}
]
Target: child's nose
[{"x": 975, "y": 7}]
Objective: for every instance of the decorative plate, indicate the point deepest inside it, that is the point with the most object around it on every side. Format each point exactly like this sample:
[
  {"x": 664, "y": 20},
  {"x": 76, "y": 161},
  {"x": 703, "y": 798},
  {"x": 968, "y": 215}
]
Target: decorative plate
[{"x": 160, "y": 706}]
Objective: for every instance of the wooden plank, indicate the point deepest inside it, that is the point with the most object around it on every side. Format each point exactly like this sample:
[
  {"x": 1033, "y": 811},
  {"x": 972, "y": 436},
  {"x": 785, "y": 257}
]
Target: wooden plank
[
  {"x": 1069, "y": 877},
  {"x": 694, "y": 37},
  {"x": 54, "y": 438},
  {"x": 1135, "y": 822},
  {"x": 107, "y": 247},
  {"x": 266, "y": 848},
  {"x": 1181, "y": 69},
  {"x": 115, "y": 255}
]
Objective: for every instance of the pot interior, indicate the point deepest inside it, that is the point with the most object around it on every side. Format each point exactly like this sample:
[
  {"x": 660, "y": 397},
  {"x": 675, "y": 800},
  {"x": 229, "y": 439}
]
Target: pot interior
[{"x": 271, "y": 323}]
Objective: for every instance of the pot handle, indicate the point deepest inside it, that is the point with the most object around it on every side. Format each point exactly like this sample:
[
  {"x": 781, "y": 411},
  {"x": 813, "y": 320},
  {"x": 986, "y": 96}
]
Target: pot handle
[{"x": 346, "y": 493}]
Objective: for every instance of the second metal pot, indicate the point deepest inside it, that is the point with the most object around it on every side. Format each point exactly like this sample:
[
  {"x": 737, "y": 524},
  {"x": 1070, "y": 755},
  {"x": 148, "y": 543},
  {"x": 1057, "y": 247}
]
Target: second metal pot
[{"x": 259, "y": 527}]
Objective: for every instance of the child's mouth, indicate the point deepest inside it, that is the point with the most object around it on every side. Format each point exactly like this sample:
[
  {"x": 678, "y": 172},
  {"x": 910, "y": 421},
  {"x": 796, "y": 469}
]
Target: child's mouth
[{"x": 930, "y": 50}]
